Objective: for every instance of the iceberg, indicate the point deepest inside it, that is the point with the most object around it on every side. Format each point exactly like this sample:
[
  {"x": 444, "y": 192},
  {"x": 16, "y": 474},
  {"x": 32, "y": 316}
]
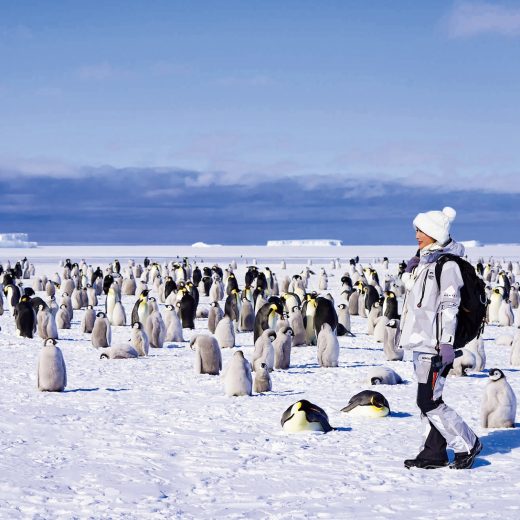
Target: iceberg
[
  {"x": 16, "y": 240},
  {"x": 311, "y": 242}
]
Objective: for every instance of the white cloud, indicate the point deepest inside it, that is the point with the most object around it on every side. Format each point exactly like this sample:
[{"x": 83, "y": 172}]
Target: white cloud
[{"x": 469, "y": 19}]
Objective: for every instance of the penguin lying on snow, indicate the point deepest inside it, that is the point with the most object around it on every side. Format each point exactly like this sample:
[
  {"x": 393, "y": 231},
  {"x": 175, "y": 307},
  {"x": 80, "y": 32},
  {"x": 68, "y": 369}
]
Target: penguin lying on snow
[
  {"x": 119, "y": 352},
  {"x": 305, "y": 416},
  {"x": 368, "y": 404}
]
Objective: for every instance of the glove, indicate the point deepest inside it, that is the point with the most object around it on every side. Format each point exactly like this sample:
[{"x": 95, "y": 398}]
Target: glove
[
  {"x": 447, "y": 353},
  {"x": 412, "y": 264}
]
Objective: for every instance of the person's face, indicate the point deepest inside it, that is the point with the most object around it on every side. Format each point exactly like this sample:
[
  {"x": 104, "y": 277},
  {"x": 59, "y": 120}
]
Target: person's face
[{"x": 423, "y": 239}]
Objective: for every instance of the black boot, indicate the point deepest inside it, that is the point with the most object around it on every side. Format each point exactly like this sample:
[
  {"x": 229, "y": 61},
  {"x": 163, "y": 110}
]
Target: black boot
[
  {"x": 425, "y": 463},
  {"x": 466, "y": 460}
]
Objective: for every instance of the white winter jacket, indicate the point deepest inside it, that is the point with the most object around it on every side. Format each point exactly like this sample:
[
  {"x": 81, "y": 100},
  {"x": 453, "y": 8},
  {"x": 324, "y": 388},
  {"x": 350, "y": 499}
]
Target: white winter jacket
[{"x": 429, "y": 315}]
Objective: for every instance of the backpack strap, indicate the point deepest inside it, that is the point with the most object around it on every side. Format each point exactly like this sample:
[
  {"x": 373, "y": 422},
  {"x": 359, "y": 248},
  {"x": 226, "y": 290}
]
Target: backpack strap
[{"x": 440, "y": 264}]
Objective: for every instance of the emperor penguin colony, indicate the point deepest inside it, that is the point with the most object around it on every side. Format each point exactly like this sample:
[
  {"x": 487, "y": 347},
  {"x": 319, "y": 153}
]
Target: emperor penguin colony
[{"x": 248, "y": 343}]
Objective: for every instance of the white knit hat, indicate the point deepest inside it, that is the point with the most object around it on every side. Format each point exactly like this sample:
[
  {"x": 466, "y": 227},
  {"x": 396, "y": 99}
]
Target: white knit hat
[{"x": 436, "y": 224}]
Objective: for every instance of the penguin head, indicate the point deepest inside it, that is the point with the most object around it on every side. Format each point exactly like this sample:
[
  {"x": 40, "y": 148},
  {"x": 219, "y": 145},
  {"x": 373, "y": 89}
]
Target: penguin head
[
  {"x": 239, "y": 354},
  {"x": 342, "y": 306},
  {"x": 101, "y": 314},
  {"x": 137, "y": 325},
  {"x": 50, "y": 342},
  {"x": 63, "y": 306},
  {"x": 375, "y": 381},
  {"x": 288, "y": 331},
  {"x": 104, "y": 356},
  {"x": 169, "y": 307},
  {"x": 495, "y": 374}
]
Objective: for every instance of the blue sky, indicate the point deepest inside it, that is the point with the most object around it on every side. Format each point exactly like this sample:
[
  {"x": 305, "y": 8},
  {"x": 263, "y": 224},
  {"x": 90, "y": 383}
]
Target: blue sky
[{"x": 240, "y": 99}]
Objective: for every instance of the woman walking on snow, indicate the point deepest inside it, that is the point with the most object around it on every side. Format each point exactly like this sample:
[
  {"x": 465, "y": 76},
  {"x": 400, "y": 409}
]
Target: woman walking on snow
[{"x": 428, "y": 325}]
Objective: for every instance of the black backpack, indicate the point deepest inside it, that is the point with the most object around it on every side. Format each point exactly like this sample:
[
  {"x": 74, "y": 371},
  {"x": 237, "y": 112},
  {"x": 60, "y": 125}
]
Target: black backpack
[{"x": 473, "y": 301}]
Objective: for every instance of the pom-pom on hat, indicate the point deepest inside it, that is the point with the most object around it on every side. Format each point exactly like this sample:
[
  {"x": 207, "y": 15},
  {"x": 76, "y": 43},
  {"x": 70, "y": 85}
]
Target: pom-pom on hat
[{"x": 436, "y": 224}]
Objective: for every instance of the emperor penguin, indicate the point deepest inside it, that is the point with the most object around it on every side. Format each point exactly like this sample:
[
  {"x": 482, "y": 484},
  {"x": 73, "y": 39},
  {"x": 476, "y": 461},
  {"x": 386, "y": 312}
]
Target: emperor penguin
[
  {"x": 237, "y": 376},
  {"x": 112, "y": 298},
  {"x": 498, "y": 407},
  {"x": 129, "y": 285},
  {"x": 328, "y": 347},
  {"x": 173, "y": 325},
  {"x": 119, "y": 352},
  {"x": 37, "y": 284},
  {"x": 282, "y": 348},
  {"x": 216, "y": 291},
  {"x": 262, "y": 381},
  {"x": 390, "y": 308},
  {"x": 464, "y": 363},
  {"x": 139, "y": 339},
  {"x": 102, "y": 332},
  {"x": 246, "y": 320},
  {"x": 373, "y": 315},
  {"x": 494, "y": 305},
  {"x": 353, "y": 303},
  {"x": 325, "y": 313},
  {"x": 362, "y": 310},
  {"x": 67, "y": 286},
  {"x": 515, "y": 352},
  {"x": 92, "y": 298},
  {"x": 476, "y": 346},
  {"x": 225, "y": 333},
  {"x": 267, "y": 316},
  {"x": 155, "y": 329},
  {"x": 391, "y": 350},
  {"x": 506, "y": 317},
  {"x": 25, "y": 318},
  {"x": 264, "y": 350},
  {"x": 368, "y": 404},
  {"x": 379, "y": 329},
  {"x": 52, "y": 374},
  {"x": 214, "y": 316},
  {"x": 304, "y": 416},
  {"x": 343, "y": 321},
  {"x": 65, "y": 300},
  {"x": 309, "y": 312},
  {"x": 383, "y": 376},
  {"x": 323, "y": 280},
  {"x": 188, "y": 308},
  {"x": 53, "y": 305},
  {"x": 297, "y": 326},
  {"x": 12, "y": 296},
  {"x": 62, "y": 318},
  {"x": 76, "y": 299},
  {"x": 141, "y": 309},
  {"x": 208, "y": 358},
  {"x": 88, "y": 320},
  {"x": 118, "y": 315},
  {"x": 46, "y": 327}
]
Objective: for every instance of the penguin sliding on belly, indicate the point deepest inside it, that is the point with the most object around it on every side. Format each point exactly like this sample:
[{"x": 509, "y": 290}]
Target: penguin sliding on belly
[
  {"x": 304, "y": 416},
  {"x": 368, "y": 404}
]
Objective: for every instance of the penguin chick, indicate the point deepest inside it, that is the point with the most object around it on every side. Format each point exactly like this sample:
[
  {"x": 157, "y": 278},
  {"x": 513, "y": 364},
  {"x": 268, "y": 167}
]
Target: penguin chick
[
  {"x": 208, "y": 358},
  {"x": 498, "y": 407},
  {"x": 264, "y": 350},
  {"x": 282, "y": 348},
  {"x": 237, "y": 376},
  {"x": 119, "y": 352},
  {"x": 383, "y": 376},
  {"x": 139, "y": 339},
  {"x": 328, "y": 347},
  {"x": 52, "y": 373},
  {"x": 262, "y": 379}
]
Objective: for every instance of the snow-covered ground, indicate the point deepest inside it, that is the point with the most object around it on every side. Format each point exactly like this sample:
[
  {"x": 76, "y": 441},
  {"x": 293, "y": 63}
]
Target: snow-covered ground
[{"x": 147, "y": 438}]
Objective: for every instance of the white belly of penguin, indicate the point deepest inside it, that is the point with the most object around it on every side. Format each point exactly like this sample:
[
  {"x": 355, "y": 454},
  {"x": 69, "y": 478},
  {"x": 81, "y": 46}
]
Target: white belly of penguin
[
  {"x": 369, "y": 411},
  {"x": 299, "y": 423}
]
